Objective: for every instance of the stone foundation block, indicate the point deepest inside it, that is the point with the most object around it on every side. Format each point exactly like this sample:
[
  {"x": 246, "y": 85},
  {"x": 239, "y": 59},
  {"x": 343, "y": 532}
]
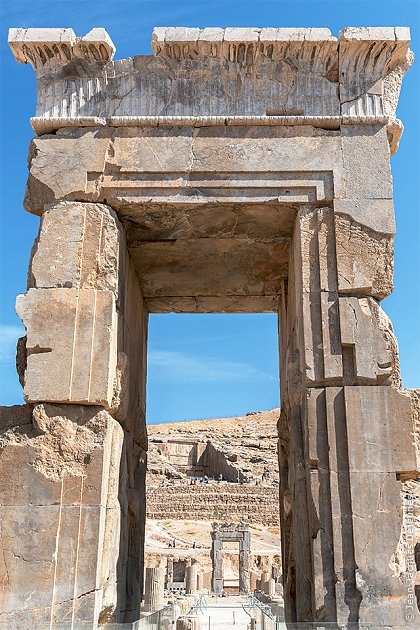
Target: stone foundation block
[{"x": 59, "y": 544}]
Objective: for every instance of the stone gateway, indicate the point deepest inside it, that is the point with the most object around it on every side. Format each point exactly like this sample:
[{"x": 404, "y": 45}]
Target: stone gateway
[
  {"x": 232, "y": 171},
  {"x": 230, "y": 533}
]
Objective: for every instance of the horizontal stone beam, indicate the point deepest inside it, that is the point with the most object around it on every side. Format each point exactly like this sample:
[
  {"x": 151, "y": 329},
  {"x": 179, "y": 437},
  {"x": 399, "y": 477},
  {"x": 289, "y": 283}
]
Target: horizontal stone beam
[{"x": 301, "y": 76}]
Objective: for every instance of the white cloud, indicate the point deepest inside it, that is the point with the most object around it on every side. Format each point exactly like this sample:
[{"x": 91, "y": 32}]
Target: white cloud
[
  {"x": 8, "y": 338},
  {"x": 180, "y": 367}
]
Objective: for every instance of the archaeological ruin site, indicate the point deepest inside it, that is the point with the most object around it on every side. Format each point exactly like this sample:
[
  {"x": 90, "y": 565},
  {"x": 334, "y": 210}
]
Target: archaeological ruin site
[{"x": 233, "y": 170}]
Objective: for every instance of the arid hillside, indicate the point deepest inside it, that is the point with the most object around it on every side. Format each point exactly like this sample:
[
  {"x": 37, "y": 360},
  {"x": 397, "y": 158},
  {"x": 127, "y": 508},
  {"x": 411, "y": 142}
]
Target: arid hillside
[{"x": 243, "y": 446}]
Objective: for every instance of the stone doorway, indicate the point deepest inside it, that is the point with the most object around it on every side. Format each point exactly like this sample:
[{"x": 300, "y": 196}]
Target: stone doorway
[
  {"x": 245, "y": 170},
  {"x": 228, "y": 534}
]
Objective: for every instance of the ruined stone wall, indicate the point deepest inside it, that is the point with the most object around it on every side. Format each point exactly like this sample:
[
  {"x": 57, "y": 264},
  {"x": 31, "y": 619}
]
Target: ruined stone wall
[
  {"x": 216, "y": 464},
  {"x": 219, "y": 502},
  {"x": 269, "y": 190},
  {"x": 81, "y": 441}
]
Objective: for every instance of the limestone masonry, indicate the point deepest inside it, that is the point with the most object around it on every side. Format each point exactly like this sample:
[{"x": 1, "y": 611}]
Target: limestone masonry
[{"x": 233, "y": 170}]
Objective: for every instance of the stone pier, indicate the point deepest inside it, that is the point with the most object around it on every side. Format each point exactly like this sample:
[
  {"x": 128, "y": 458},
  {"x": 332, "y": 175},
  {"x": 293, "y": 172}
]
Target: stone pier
[
  {"x": 231, "y": 171},
  {"x": 191, "y": 573},
  {"x": 153, "y": 589}
]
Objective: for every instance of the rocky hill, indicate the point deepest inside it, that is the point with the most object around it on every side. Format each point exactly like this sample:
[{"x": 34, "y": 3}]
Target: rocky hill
[{"x": 242, "y": 447}]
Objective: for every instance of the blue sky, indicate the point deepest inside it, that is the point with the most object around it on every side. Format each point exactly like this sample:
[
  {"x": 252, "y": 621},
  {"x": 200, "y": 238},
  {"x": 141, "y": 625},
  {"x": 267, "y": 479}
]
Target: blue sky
[{"x": 202, "y": 365}]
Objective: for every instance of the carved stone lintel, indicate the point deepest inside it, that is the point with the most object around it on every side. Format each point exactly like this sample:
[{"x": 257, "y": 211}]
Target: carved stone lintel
[{"x": 276, "y": 76}]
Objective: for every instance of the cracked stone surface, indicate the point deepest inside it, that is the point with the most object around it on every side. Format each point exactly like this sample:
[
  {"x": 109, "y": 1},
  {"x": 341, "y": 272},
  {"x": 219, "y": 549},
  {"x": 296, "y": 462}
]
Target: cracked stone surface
[
  {"x": 234, "y": 170},
  {"x": 61, "y": 560}
]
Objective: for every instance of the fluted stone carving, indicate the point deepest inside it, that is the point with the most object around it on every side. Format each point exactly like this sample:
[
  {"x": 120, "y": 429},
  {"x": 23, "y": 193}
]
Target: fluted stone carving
[
  {"x": 191, "y": 572},
  {"x": 153, "y": 589},
  {"x": 307, "y": 74}
]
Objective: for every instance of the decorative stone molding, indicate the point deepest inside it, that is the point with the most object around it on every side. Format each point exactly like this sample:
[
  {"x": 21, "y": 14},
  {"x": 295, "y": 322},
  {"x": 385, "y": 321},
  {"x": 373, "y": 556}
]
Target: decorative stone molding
[
  {"x": 215, "y": 76},
  {"x": 42, "y": 125},
  {"x": 50, "y": 49},
  {"x": 312, "y": 47},
  {"x": 372, "y": 64}
]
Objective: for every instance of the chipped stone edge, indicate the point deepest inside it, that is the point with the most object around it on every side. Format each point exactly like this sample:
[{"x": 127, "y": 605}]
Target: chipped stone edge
[
  {"x": 43, "y": 125},
  {"x": 162, "y": 36},
  {"x": 42, "y": 46}
]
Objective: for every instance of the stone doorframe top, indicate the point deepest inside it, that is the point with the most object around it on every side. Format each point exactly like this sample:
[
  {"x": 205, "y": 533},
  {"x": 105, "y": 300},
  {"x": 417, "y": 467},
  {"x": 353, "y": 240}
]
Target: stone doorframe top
[{"x": 215, "y": 76}]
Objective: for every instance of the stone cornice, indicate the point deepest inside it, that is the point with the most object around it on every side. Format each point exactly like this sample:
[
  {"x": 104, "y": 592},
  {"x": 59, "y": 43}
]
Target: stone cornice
[
  {"x": 48, "y": 49},
  {"x": 218, "y": 76}
]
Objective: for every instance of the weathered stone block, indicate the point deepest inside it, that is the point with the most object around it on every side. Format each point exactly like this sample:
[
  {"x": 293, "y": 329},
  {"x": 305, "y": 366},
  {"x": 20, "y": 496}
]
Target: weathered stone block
[
  {"x": 64, "y": 166},
  {"x": 377, "y": 524},
  {"x": 120, "y": 166},
  {"x": 78, "y": 246},
  {"x": 45, "y": 48},
  {"x": 321, "y": 329},
  {"x": 241, "y": 34},
  {"x": 374, "y": 214},
  {"x": 367, "y": 172},
  {"x": 211, "y": 34},
  {"x": 363, "y": 328},
  {"x": 55, "y": 518},
  {"x": 358, "y": 439},
  {"x": 365, "y": 257},
  {"x": 379, "y": 430},
  {"x": 181, "y": 34},
  {"x": 71, "y": 333},
  {"x": 374, "y": 422}
]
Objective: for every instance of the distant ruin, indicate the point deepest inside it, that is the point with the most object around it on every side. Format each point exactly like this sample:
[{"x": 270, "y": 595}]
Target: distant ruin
[
  {"x": 233, "y": 170},
  {"x": 230, "y": 533},
  {"x": 233, "y": 450},
  {"x": 184, "y": 506}
]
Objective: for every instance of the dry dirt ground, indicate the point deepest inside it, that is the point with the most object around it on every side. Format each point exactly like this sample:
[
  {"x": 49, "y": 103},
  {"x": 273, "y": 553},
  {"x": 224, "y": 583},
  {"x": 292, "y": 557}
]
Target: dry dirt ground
[{"x": 264, "y": 540}]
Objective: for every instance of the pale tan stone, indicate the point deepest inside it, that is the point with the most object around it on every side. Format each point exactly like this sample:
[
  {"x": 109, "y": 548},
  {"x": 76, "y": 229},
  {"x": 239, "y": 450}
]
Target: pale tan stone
[
  {"x": 385, "y": 442},
  {"x": 154, "y": 589},
  {"x": 70, "y": 332},
  {"x": 365, "y": 258},
  {"x": 360, "y": 330},
  {"x": 376, "y": 215},
  {"x": 258, "y": 170},
  {"x": 78, "y": 246},
  {"x": 191, "y": 579},
  {"x": 366, "y": 163},
  {"x": 188, "y": 623},
  {"x": 358, "y": 75},
  {"x": 45, "y": 48},
  {"x": 96, "y": 45},
  {"x": 65, "y": 167},
  {"x": 55, "y": 544}
]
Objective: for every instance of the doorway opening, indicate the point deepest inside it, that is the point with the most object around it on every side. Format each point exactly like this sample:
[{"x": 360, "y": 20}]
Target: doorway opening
[{"x": 213, "y": 405}]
